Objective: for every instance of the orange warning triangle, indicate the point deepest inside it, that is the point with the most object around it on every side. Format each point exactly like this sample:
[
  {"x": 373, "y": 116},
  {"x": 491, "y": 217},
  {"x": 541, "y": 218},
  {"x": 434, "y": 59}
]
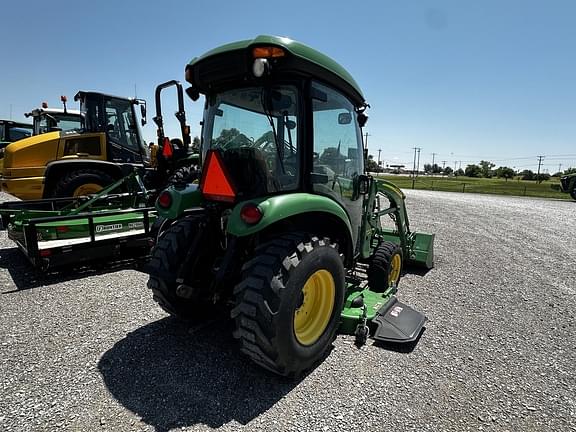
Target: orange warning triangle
[
  {"x": 215, "y": 184},
  {"x": 167, "y": 150}
]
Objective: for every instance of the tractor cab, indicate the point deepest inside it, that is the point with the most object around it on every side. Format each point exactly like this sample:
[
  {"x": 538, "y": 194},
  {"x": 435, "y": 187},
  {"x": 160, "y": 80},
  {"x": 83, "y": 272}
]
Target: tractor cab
[{"x": 284, "y": 224}]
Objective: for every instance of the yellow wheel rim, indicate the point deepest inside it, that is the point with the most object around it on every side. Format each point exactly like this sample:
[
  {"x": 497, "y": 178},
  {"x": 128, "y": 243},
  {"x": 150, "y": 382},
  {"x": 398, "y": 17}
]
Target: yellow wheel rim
[
  {"x": 87, "y": 189},
  {"x": 313, "y": 315},
  {"x": 395, "y": 267}
]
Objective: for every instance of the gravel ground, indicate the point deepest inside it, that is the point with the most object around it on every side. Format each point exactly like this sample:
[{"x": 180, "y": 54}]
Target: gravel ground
[{"x": 91, "y": 350}]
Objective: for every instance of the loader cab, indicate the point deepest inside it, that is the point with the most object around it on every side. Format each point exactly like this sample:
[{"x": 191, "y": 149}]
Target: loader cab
[
  {"x": 54, "y": 119},
  {"x": 11, "y": 131},
  {"x": 116, "y": 118},
  {"x": 281, "y": 119}
]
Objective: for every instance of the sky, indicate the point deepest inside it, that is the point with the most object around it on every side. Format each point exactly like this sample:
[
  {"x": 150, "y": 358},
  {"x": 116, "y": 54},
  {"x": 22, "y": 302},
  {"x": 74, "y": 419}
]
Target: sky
[{"x": 463, "y": 80}]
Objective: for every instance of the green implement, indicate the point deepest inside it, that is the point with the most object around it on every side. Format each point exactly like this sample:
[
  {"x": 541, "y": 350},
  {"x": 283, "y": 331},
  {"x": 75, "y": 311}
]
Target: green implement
[{"x": 63, "y": 231}]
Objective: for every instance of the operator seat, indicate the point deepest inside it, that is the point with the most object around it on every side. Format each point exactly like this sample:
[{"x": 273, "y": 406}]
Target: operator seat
[{"x": 249, "y": 171}]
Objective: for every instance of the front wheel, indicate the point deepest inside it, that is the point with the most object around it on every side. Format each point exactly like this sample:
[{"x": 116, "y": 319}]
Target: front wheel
[
  {"x": 288, "y": 304},
  {"x": 82, "y": 182},
  {"x": 573, "y": 193},
  {"x": 385, "y": 266}
]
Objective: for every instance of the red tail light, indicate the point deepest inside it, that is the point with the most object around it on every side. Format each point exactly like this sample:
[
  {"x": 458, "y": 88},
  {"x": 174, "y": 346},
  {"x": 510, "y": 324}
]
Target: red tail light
[
  {"x": 215, "y": 184},
  {"x": 165, "y": 199},
  {"x": 45, "y": 252},
  {"x": 62, "y": 229},
  {"x": 251, "y": 214}
]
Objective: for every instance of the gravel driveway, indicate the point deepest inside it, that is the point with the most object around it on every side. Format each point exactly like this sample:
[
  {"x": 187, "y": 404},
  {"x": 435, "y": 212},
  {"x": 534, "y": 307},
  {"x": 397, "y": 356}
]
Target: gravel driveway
[{"x": 91, "y": 351}]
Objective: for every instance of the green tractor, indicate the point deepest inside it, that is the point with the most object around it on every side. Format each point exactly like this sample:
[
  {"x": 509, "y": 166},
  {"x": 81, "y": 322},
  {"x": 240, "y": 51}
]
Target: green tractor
[
  {"x": 284, "y": 226},
  {"x": 568, "y": 184}
]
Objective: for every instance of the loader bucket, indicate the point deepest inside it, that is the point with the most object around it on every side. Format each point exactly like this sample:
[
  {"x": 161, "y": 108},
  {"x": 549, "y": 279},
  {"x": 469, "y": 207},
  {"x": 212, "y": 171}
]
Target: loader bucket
[{"x": 422, "y": 253}]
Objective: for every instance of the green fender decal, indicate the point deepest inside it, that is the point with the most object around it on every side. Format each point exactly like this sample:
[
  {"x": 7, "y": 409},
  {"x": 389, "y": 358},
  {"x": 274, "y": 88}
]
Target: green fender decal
[
  {"x": 280, "y": 207},
  {"x": 182, "y": 199}
]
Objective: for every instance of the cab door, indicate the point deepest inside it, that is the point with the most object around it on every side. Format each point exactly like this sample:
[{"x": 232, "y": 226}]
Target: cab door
[
  {"x": 122, "y": 132},
  {"x": 338, "y": 156}
]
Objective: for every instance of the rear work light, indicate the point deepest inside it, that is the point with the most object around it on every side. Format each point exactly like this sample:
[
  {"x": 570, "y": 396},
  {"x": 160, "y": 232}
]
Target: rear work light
[
  {"x": 165, "y": 199},
  {"x": 215, "y": 184},
  {"x": 251, "y": 214}
]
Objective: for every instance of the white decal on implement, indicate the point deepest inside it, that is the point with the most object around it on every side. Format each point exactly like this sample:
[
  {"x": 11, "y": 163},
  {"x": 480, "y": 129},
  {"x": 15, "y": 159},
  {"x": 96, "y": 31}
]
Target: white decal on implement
[
  {"x": 104, "y": 228},
  {"x": 396, "y": 310}
]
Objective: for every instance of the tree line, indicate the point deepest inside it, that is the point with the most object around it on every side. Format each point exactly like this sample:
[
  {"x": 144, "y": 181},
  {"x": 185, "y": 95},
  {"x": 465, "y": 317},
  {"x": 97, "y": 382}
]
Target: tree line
[{"x": 484, "y": 169}]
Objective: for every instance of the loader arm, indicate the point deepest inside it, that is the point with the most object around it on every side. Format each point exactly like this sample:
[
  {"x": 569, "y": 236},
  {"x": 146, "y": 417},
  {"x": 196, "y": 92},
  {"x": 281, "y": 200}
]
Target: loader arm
[{"x": 418, "y": 247}]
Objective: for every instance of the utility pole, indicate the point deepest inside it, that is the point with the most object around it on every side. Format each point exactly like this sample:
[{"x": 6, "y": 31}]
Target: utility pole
[
  {"x": 433, "y": 156},
  {"x": 539, "y": 165},
  {"x": 455, "y": 165},
  {"x": 366, "y": 140},
  {"x": 379, "y": 150},
  {"x": 418, "y": 163},
  {"x": 443, "y": 165},
  {"x": 414, "y": 167},
  {"x": 559, "y": 168}
]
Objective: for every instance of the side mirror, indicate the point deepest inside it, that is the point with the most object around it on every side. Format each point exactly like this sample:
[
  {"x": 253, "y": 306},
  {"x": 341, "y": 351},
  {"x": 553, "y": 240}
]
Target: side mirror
[
  {"x": 143, "y": 114},
  {"x": 363, "y": 184},
  {"x": 192, "y": 93}
]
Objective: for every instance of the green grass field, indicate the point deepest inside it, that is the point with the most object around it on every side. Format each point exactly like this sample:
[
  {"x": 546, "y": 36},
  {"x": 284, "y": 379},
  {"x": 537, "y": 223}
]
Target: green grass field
[{"x": 546, "y": 189}]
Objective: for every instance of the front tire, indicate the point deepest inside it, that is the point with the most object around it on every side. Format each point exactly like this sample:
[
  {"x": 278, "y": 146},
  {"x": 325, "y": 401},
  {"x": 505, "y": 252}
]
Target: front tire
[
  {"x": 385, "y": 267},
  {"x": 573, "y": 193},
  {"x": 288, "y": 304},
  {"x": 82, "y": 182}
]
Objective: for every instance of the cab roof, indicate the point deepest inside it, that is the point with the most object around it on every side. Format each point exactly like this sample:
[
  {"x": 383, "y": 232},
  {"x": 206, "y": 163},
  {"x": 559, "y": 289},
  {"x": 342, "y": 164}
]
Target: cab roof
[
  {"x": 38, "y": 111},
  {"x": 212, "y": 67}
]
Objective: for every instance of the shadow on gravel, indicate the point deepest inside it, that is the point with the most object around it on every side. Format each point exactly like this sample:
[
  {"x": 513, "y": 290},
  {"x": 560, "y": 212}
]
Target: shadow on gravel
[
  {"x": 403, "y": 348},
  {"x": 27, "y": 277},
  {"x": 173, "y": 375}
]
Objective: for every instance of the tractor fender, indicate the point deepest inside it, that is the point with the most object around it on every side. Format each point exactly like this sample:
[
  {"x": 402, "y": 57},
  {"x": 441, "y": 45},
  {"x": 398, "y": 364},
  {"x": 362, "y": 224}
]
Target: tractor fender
[
  {"x": 56, "y": 169},
  {"x": 291, "y": 207},
  {"x": 182, "y": 200}
]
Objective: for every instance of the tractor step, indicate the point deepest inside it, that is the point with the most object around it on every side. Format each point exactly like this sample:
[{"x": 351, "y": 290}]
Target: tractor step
[{"x": 398, "y": 323}]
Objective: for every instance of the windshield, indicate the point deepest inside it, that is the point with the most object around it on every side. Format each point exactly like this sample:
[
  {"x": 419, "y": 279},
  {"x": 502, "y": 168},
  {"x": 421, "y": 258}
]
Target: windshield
[
  {"x": 47, "y": 121},
  {"x": 255, "y": 130}
]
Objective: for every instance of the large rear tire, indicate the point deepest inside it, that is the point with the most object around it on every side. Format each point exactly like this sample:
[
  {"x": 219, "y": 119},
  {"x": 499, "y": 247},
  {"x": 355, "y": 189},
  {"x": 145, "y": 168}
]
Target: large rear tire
[
  {"x": 573, "y": 192},
  {"x": 288, "y": 304},
  {"x": 385, "y": 266},
  {"x": 166, "y": 258},
  {"x": 81, "y": 182},
  {"x": 185, "y": 174}
]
